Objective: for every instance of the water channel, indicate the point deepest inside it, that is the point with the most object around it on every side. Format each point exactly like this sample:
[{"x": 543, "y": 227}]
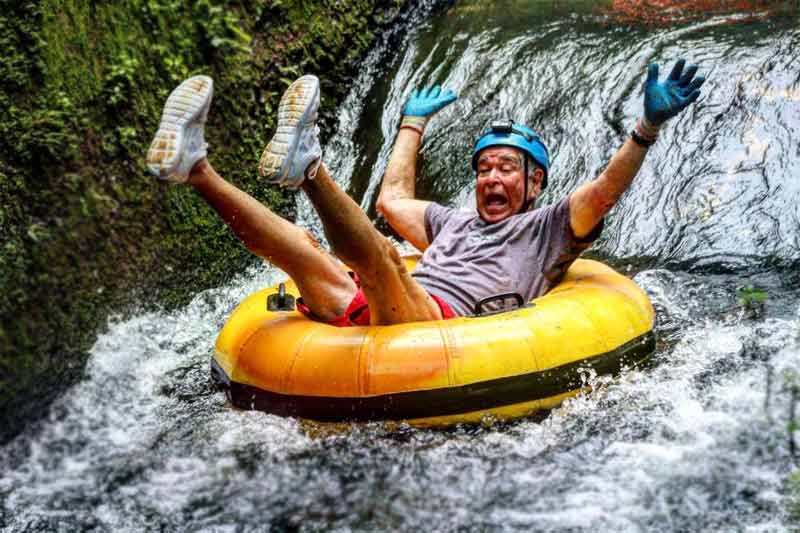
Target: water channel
[{"x": 697, "y": 441}]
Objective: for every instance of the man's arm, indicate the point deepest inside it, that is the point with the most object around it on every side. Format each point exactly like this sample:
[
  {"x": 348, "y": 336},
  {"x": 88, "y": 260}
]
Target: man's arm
[
  {"x": 593, "y": 200},
  {"x": 662, "y": 101},
  {"x": 396, "y": 200}
]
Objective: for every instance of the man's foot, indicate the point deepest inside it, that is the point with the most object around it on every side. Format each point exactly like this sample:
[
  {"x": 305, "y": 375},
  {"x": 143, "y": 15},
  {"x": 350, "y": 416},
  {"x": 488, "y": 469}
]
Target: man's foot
[
  {"x": 179, "y": 142},
  {"x": 294, "y": 149}
]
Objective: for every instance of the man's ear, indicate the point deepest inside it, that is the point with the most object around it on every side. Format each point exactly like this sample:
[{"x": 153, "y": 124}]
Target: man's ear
[{"x": 535, "y": 183}]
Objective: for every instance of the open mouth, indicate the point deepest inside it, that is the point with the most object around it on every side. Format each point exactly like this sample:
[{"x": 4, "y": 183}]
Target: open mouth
[{"x": 496, "y": 200}]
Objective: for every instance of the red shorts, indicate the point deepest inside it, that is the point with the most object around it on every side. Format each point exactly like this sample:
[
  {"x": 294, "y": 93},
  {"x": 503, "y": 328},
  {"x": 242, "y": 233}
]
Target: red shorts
[{"x": 357, "y": 313}]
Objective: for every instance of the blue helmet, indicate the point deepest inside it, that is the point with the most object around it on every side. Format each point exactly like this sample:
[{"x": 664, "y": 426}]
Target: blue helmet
[{"x": 508, "y": 133}]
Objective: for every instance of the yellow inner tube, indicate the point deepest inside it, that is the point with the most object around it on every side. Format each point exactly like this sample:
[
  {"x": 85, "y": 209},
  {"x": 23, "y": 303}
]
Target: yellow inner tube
[{"x": 436, "y": 373}]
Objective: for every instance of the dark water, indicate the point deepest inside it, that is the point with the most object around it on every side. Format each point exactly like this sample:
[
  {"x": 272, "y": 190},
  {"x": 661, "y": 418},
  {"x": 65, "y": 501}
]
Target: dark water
[{"x": 698, "y": 441}]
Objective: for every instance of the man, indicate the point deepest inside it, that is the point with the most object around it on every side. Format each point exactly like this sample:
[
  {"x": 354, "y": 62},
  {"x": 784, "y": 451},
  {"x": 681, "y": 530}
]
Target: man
[{"x": 505, "y": 247}]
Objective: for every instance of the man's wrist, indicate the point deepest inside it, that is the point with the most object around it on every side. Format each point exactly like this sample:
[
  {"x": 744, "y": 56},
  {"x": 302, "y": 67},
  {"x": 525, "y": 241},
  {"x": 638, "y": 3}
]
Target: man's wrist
[
  {"x": 645, "y": 133},
  {"x": 650, "y": 129},
  {"x": 414, "y": 123}
]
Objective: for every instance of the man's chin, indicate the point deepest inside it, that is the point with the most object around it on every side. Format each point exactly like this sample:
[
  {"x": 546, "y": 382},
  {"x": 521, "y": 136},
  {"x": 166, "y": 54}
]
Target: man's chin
[{"x": 495, "y": 213}]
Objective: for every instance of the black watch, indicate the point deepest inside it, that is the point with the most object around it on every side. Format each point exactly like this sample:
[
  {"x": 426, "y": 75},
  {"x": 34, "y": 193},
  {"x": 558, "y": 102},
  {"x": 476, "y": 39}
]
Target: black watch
[{"x": 641, "y": 141}]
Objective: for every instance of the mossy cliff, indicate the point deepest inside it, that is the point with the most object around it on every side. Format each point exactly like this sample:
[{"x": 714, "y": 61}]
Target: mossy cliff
[{"x": 83, "y": 230}]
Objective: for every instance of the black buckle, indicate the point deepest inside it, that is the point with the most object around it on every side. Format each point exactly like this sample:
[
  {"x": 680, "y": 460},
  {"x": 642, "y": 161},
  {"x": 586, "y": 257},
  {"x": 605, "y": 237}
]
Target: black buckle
[
  {"x": 280, "y": 301},
  {"x": 518, "y": 301}
]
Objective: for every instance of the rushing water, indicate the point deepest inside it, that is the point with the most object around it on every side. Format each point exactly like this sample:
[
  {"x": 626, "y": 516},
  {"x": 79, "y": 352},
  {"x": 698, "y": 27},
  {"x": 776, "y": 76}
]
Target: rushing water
[{"x": 698, "y": 441}]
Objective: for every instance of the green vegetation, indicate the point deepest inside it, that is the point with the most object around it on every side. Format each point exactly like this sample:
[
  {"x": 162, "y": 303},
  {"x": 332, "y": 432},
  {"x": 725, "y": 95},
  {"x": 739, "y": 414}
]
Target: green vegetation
[
  {"x": 751, "y": 300},
  {"x": 82, "y": 228},
  {"x": 751, "y": 296}
]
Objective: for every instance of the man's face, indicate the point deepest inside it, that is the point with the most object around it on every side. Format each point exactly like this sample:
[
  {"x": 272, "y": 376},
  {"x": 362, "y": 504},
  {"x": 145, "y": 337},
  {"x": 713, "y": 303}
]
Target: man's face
[{"x": 501, "y": 187}]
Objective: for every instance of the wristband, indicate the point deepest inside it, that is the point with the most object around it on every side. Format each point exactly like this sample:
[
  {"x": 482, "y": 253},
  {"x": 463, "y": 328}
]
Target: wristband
[
  {"x": 410, "y": 127},
  {"x": 644, "y": 133},
  {"x": 415, "y": 123},
  {"x": 647, "y": 129}
]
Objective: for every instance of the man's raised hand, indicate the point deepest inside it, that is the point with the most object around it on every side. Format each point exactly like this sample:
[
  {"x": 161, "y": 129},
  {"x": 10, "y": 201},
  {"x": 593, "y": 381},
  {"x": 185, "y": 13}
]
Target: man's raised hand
[
  {"x": 664, "y": 100},
  {"x": 425, "y": 102}
]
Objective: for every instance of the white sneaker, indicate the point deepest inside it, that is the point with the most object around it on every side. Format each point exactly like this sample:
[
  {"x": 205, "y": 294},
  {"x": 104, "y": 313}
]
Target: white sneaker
[
  {"x": 294, "y": 149},
  {"x": 179, "y": 142}
]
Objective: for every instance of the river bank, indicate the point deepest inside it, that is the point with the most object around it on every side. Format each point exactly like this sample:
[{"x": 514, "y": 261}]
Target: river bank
[{"x": 84, "y": 231}]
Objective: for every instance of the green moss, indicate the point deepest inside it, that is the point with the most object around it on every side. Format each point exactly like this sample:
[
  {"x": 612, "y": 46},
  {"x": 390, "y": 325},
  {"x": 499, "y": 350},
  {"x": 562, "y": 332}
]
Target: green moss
[{"x": 82, "y": 226}]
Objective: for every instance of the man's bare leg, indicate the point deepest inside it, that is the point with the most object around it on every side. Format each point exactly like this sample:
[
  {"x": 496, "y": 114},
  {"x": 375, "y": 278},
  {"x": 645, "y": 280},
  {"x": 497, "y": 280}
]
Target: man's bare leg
[
  {"x": 394, "y": 296},
  {"x": 178, "y": 154},
  {"x": 325, "y": 286},
  {"x": 292, "y": 158}
]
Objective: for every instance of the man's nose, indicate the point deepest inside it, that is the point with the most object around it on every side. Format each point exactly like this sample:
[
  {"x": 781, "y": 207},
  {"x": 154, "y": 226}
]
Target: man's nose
[{"x": 494, "y": 176}]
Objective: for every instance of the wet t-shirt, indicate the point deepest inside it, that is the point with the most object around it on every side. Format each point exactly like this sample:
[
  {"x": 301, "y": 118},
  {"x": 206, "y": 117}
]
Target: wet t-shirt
[{"x": 469, "y": 260}]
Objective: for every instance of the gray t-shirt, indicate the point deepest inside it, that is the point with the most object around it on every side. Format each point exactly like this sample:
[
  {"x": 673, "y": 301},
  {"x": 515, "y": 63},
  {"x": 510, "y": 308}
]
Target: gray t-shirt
[{"x": 469, "y": 260}]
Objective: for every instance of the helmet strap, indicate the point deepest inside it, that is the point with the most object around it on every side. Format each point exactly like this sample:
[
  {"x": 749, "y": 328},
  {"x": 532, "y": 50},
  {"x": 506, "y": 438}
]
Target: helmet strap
[{"x": 525, "y": 201}]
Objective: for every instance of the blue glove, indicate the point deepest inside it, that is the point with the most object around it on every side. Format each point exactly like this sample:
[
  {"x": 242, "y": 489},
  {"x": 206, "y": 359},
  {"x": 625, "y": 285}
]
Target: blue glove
[
  {"x": 428, "y": 101},
  {"x": 664, "y": 100}
]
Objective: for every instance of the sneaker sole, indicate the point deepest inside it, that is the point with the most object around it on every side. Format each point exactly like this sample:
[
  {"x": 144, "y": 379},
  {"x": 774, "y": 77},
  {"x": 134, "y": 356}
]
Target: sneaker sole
[
  {"x": 294, "y": 112},
  {"x": 188, "y": 102}
]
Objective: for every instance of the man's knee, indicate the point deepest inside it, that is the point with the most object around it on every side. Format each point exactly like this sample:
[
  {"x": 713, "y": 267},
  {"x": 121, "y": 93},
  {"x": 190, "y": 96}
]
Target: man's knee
[
  {"x": 384, "y": 255},
  {"x": 393, "y": 255},
  {"x": 384, "y": 266}
]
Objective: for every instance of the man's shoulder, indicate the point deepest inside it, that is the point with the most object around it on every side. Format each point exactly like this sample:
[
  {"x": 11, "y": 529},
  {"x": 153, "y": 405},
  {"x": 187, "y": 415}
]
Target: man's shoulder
[{"x": 559, "y": 207}]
